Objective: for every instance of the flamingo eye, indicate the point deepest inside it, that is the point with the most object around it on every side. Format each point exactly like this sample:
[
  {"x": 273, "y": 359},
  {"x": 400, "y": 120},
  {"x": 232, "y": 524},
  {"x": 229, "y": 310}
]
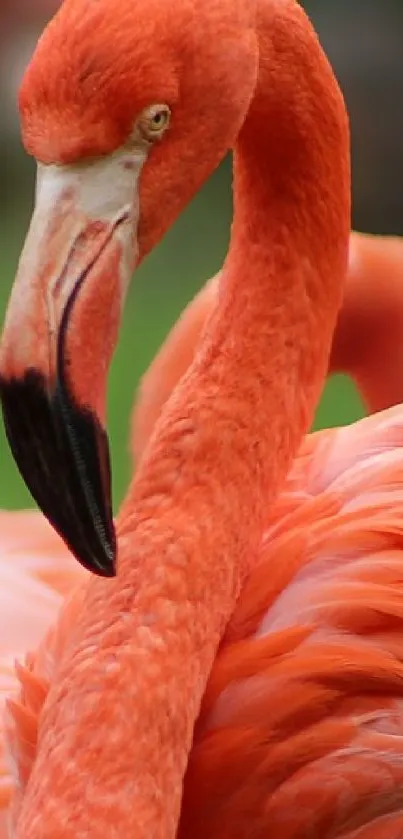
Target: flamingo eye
[{"x": 153, "y": 122}]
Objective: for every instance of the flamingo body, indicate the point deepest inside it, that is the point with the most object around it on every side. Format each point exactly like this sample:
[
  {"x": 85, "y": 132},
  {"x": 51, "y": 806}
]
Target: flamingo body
[
  {"x": 301, "y": 730},
  {"x": 301, "y": 720}
]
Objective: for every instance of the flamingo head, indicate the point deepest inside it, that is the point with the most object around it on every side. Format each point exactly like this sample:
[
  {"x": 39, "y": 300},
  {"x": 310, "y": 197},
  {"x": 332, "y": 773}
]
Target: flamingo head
[{"x": 127, "y": 106}]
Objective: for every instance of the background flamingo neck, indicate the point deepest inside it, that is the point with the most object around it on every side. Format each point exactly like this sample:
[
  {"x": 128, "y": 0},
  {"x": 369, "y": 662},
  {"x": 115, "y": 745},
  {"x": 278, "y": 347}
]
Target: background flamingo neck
[{"x": 368, "y": 341}]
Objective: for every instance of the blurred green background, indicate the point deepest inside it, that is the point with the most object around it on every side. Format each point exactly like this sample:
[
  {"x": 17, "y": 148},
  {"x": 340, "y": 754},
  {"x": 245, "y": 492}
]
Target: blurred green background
[{"x": 368, "y": 57}]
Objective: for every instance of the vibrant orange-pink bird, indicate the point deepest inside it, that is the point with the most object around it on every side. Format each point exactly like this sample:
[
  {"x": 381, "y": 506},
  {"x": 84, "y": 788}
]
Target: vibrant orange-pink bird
[{"x": 122, "y": 725}]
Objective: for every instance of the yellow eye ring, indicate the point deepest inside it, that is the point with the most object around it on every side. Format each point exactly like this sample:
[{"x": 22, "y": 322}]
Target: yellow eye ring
[{"x": 154, "y": 121}]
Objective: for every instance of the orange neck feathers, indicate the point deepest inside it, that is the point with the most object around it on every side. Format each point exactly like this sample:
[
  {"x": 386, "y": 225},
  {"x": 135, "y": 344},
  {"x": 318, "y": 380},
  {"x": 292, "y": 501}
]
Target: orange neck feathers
[{"x": 128, "y": 689}]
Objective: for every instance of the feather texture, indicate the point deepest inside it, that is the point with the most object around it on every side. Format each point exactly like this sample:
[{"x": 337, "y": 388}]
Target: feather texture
[{"x": 301, "y": 722}]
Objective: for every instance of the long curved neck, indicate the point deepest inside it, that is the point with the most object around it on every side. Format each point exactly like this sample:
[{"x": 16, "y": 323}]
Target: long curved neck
[
  {"x": 220, "y": 449},
  {"x": 263, "y": 362},
  {"x": 282, "y": 283}
]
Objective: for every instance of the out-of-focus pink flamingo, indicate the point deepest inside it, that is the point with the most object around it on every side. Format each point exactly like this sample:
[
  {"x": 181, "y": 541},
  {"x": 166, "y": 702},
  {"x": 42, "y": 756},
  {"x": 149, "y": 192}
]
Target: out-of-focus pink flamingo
[
  {"x": 240, "y": 672},
  {"x": 367, "y": 344}
]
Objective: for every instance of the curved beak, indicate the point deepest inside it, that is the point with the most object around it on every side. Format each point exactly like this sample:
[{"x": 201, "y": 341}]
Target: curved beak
[{"x": 59, "y": 335}]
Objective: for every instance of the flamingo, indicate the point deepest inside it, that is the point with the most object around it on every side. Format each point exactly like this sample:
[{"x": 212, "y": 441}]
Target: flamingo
[{"x": 154, "y": 707}]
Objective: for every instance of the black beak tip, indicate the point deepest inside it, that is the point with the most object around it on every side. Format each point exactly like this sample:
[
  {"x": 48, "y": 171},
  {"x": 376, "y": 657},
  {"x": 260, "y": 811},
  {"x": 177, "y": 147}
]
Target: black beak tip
[
  {"x": 62, "y": 453},
  {"x": 107, "y": 571}
]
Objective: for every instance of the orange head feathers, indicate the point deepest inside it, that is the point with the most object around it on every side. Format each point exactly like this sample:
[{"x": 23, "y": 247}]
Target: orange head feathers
[
  {"x": 100, "y": 65},
  {"x": 96, "y": 66}
]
